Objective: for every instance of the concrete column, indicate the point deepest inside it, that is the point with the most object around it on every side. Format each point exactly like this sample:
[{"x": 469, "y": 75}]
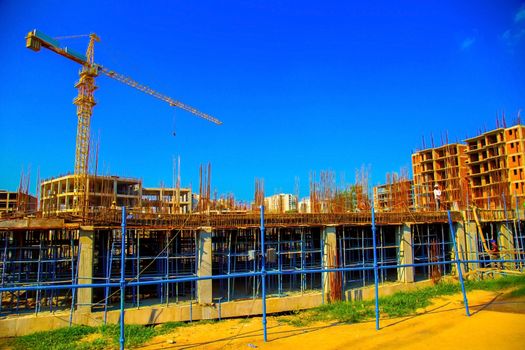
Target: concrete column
[
  {"x": 406, "y": 253},
  {"x": 204, "y": 266},
  {"x": 506, "y": 244},
  {"x": 329, "y": 258},
  {"x": 461, "y": 243},
  {"x": 471, "y": 231},
  {"x": 85, "y": 268}
]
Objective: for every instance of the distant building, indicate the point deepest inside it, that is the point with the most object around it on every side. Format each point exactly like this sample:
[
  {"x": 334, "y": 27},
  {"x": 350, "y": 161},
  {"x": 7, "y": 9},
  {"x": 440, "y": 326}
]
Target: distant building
[
  {"x": 12, "y": 202},
  {"x": 305, "y": 206},
  {"x": 166, "y": 200},
  {"x": 57, "y": 195},
  {"x": 280, "y": 203},
  {"x": 445, "y": 166},
  {"x": 496, "y": 167},
  {"x": 394, "y": 197}
]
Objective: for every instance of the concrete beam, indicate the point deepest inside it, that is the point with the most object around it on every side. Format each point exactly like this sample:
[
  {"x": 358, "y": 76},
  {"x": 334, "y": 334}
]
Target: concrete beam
[
  {"x": 204, "y": 266},
  {"x": 32, "y": 223}
]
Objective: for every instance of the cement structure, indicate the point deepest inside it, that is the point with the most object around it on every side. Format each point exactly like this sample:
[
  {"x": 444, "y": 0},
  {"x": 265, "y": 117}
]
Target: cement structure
[{"x": 59, "y": 251}]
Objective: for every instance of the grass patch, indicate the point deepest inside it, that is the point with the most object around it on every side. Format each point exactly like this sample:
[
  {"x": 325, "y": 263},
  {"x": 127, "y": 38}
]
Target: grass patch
[
  {"x": 213, "y": 321},
  {"x": 169, "y": 327},
  {"x": 517, "y": 292},
  {"x": 135, "y": 335},
  {"x": 399, "y": 304},
  {"x": 58, "y": 339},
  {"x": 406, "y": 303},
  {"x": 497, "y": 283}
]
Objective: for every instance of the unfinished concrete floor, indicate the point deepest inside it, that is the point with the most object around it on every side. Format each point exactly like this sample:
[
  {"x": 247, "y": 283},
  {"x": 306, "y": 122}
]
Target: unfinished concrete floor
[{"x": 497, "y": 323}]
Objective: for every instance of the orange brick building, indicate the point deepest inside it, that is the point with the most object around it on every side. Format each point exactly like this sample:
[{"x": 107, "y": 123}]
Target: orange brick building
[
  {"x": 446, "y": 167},
  {"x": 496, "y": 167}
]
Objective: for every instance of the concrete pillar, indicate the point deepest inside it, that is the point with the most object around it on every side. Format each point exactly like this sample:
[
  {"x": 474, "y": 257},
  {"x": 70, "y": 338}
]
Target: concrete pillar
[
  {"x": 329, "y": 258},
  {"x": 406, "y": 253},
  {"x": 85, "y": 268},
  {"x": 204, "y": 266},
  {"x": 471, "y": 237},
  {"x": 506, "y": 244},
  {"x": 461, "y": 243}
]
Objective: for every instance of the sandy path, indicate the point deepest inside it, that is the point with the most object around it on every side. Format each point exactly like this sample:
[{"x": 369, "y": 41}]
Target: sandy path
[{"x": 496, "y": 323}]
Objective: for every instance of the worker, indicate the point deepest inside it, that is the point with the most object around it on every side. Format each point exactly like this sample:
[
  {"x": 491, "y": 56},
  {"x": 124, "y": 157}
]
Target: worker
[
  {"x": 494, "y": 252},
  {"x": 437, "y": 196}
]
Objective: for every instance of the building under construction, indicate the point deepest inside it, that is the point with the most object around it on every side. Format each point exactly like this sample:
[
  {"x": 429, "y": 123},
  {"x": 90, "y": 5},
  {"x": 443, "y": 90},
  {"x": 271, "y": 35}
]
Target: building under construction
[
  {"x": 75, "y": 237},
  {"x": 61, "y": 249},
  {"x": 488, "y": 171},
  {"x": 58, "y": 195}
]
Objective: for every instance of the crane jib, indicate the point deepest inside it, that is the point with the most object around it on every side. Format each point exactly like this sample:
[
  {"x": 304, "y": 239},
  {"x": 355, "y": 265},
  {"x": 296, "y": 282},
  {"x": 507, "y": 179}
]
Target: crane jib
[{"x": 36, "y": 39}]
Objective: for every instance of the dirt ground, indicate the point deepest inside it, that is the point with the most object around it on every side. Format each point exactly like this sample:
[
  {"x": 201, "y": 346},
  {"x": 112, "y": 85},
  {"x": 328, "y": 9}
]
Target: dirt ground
[{"x": 497, "y": 322}]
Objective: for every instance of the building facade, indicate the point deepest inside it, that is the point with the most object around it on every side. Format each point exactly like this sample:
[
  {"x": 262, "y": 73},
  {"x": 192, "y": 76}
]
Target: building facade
[
  {"x": 445, "y": 166},
  {"x": 11, "y": 202},
  {"x": 58, "y": 195},
  {"x": 280, "y": 203},
  {"x": 496, "y": 167},
  {"x": 394, "y": 197}
]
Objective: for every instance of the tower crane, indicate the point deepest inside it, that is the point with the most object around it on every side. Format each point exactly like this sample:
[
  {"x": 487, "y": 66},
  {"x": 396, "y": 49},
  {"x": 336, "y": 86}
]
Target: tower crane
[{"x": 85, "y": 101}]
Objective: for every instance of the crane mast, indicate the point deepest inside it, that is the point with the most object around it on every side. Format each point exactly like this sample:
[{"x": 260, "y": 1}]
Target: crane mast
[{"x": 85, "y": 101}]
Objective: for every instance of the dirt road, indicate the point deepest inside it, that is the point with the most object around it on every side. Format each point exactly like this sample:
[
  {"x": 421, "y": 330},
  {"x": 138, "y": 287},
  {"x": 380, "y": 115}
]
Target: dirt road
[{"x": 497, "y": 322}]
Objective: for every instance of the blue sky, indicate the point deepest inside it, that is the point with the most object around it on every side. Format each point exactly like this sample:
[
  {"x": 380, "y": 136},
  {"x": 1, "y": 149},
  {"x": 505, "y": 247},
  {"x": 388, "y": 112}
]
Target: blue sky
[{"x": 300, "y": 86}]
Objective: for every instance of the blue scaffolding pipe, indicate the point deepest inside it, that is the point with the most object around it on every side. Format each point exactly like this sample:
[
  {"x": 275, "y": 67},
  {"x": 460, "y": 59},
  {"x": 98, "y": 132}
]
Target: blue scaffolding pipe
[
  {"x": 108, "y": 279},
  {"x": 376, "y": 282},
  {"x": 458, "y": 263},
  {"x": 520, "y": 234},
  {"x": 75, "y": 280},
  {"x": 39, "y": 269},
  {"x": 263, "y": 275},
  {"x": 238, "y": 275},
  {"x": 122, "y": 276}
]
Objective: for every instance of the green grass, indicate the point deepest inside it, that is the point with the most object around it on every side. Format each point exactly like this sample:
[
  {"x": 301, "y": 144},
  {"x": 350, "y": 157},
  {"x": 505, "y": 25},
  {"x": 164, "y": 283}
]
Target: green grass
[
  {"x": 396, "y": 305},
  {"x": 169, "y": 327},
  {"x": 497, "y": 283},
  {"x": 59, "y": 339},
  {"x": 135, "y": 335},
  {"x": 400, "y": 303}
]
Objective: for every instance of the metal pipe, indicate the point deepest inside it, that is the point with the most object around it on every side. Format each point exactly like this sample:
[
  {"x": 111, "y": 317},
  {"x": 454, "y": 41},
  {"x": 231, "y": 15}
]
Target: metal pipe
[
  {"x": 239, "y": 275},
  {"x": 376, "y": 282},
  {"x": 75, "y": 280},
  {"x": 108, "y": 279},
  {"x": 122, "y": 276},
  {"x": 519, "y": 231},
  {"x": 458, "y": 264},
  {"x": 263, "y": 276}
]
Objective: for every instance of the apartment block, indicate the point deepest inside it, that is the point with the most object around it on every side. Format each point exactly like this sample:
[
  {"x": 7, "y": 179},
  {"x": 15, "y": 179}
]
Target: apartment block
[
  {"x": 496, "y": 168},
  {"x": 58, "y": 195},
  {"x": 445, "y": 166},
  {"x": 11, "y": 202},
  {"x": 166, "y": 200},
  {"x": 280, "y": 203},
  {"x": 394, "y": 197}
]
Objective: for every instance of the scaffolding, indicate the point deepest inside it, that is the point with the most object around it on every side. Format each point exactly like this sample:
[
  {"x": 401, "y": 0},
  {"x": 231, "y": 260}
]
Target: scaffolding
[
  {"x": 39, "y": 257},
  {"x": 431, "y": 244},
  {"x": 150, "y": 255},
  {"x": 288, "y": 249},
  {"x": 356, "y": 249}
]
